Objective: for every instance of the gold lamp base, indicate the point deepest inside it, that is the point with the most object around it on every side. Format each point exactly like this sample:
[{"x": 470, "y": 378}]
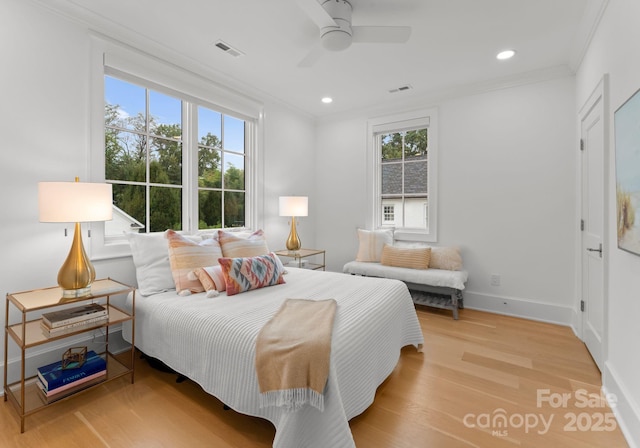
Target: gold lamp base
[
  {"x": 77, "y": 273},
  {"x": 293, "y": 242}
]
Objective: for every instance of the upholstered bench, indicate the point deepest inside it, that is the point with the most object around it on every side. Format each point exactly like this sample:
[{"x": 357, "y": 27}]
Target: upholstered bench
[
  {"x": 434, "y": 275},
  {"x": 446, "y": 284}
]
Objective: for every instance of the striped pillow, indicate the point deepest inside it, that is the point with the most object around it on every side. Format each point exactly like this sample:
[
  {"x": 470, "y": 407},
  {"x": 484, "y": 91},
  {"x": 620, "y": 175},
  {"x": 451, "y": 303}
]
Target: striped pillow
[
  {"x": 245, "y": 274},
  {"x": 185, "y": 256},
  {"x": 406, "y": 257},
  {"x": 211, "y": 278},
  {"x": 234, "y": 246},
  {"x": 371, "y": 243}
]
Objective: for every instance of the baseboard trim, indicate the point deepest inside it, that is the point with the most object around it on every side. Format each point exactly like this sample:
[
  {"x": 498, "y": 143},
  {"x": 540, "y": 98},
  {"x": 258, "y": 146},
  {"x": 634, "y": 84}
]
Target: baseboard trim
[
  {"x": 518, "y": 307},
  {"x": 626, "y": 410},
  {"x": 576, "y": 322}
]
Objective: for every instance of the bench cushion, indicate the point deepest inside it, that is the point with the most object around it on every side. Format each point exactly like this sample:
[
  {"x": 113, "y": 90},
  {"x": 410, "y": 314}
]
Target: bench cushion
[{"x": 432, "y": 277}]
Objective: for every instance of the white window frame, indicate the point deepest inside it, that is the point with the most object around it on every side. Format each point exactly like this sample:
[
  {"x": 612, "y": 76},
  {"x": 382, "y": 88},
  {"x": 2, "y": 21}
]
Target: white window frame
[
  {"x": 397, "y": 123},
  {"x": 130, "y": 65}
]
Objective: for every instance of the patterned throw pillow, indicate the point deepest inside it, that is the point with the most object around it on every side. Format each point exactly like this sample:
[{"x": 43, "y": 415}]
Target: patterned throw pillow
[
  {"x": 245, "y": 274},
  {"x": 185, "y": 256},
  {"x": 234, "y": 246},
  {"x": 406, "y": 257},
  {"x": 371, "y": 243}
]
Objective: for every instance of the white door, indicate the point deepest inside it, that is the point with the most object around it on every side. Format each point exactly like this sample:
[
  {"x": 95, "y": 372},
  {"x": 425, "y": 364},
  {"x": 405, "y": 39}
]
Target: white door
[{"x": 593, "y": 151}]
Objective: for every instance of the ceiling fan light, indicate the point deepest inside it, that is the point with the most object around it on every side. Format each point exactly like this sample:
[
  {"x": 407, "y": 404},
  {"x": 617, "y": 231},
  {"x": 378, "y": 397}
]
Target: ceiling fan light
[{"x": 336, "y": 40}]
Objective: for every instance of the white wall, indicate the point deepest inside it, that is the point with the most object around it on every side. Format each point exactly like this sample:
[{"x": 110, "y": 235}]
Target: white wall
[
  {"x": 614, "y": 50},
  {"x": 44, "y": 114},
  {"x": 289, "y": 171},
  {"x": 506, "y": 194}
]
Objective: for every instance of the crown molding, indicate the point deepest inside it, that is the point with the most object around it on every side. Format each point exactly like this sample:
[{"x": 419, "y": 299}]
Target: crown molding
[
  {"x": 436, "y": 97},
  {"x": 106, "y": 29},
  {"x": 591, "y": 18}
]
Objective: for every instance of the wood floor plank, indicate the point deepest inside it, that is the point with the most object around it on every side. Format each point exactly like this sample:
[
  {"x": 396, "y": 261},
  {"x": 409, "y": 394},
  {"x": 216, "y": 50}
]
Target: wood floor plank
[{"x": 475, "y": 373}]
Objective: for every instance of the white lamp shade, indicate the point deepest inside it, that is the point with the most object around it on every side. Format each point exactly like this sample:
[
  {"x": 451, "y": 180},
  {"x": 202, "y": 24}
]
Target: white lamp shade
[
  {"x": 74, "y": 202},
  {"x": 294, "y": 206}
]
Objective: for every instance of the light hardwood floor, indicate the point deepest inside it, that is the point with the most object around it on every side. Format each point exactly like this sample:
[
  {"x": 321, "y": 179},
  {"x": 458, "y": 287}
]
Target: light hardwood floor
[{"x": 472, "y": 370}]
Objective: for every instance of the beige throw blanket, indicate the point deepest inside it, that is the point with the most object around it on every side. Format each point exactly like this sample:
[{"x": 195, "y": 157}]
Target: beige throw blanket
[{"x": 292, "y": 354}]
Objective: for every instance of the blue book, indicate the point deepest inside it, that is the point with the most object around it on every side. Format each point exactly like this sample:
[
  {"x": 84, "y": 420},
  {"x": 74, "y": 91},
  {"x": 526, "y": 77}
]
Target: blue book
[{"x": 54, "y": 376}]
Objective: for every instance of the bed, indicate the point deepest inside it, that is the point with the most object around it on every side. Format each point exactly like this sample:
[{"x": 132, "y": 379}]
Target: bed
[{"x": 212, "y": 342}]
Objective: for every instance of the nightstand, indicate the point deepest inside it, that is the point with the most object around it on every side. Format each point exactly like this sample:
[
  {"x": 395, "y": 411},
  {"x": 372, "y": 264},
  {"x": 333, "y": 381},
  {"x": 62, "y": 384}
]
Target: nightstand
[
  {"x": 27, "y": 334},
  {"x": 303, "y": 258}
]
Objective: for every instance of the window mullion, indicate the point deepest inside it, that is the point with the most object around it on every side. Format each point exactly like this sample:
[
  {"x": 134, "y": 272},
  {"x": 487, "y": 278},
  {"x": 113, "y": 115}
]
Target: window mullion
[
  {"x": 147, "y": 142},
  {"x": 402, "y": 193},
  {"x": 222, "y": 182},
  {"x": 377, "y": 157},
  {"x": 189, "y": 167}
]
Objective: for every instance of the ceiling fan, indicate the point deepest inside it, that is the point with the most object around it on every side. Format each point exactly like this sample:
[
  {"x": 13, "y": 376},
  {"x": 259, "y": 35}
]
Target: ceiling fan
[{"x": 333, "y": 17}]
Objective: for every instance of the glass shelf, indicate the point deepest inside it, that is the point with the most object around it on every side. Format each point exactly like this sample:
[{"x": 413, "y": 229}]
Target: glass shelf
[
  {"x": 28, "y": 333},
  {"x": 304, "y": 258}
]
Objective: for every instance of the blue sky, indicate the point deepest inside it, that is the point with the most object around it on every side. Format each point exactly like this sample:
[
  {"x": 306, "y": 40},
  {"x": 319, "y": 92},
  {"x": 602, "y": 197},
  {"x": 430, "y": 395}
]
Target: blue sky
[{"x": 167, "y": 110}]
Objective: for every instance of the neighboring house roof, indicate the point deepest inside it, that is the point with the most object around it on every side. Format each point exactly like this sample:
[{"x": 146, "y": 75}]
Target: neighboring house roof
[
  {"x": 122, "y": 222},
  {"x": 415, "y": 176}
]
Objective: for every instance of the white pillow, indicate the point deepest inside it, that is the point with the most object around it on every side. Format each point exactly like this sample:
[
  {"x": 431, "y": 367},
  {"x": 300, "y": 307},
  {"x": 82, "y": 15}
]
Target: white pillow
[
  {"x": 242, "y": 233},
  {"x": 150, "y": 253},
  {"x": 371, "y": 243},
  {"x": 446, "y": 257}
]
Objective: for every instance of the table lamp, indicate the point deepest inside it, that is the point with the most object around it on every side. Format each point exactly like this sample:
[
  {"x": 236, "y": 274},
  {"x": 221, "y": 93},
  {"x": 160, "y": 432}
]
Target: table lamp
[
  {"x": 75, "y": 202},
  {"x": 294, "y": 206}
]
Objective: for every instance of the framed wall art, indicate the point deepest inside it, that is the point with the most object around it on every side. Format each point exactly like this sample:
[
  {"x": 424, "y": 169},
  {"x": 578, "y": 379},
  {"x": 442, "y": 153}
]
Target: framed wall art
[{"x": 627, "y": 142}]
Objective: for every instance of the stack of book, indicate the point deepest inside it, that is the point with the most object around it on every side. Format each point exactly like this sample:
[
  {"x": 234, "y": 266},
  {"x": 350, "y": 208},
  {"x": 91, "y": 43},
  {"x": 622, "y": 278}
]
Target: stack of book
[
  {"x": 73, "y": 319},
  {"x": 55, "y": 383}
]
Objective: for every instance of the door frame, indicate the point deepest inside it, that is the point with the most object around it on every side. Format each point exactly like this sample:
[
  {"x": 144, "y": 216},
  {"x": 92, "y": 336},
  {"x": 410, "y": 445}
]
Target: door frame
[{"x": 599, "y": 93}]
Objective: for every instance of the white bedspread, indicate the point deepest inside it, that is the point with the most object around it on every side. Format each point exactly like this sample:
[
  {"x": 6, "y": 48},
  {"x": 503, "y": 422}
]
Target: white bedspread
[
  {"x": 212, "y": 341},
  {"x": 433, "y": 277}
]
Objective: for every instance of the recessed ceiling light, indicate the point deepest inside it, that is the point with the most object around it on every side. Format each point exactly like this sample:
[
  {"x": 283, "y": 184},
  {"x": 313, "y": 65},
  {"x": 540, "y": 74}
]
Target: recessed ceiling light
[
  {"x": 507, "y": 54},
  {"x": 327, "y": 100}
]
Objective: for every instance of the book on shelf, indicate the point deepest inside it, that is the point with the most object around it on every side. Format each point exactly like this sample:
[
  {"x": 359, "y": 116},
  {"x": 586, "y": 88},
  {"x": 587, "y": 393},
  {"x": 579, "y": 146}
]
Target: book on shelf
[
  {"x": 53, "y": 376},
  {"x": 65, "y": 391},
  {"x": 68, "y": 316},
  {"x": 76, "y": 326}
]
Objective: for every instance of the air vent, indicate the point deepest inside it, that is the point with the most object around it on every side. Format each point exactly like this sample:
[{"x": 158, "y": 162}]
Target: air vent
[
  {"x": 228, "y": 49},
  {"x": 401, "y": 89}
]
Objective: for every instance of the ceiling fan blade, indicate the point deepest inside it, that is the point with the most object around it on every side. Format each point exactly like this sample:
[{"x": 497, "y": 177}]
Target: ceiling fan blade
[
  {"x": 312, "y": 57},
  {"x": 316, "y": 12},
  {"x": 381, "y": 34}
]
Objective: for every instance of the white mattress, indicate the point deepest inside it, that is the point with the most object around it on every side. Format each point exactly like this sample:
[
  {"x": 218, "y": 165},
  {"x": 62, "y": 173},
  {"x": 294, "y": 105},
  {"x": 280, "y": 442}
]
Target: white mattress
[
  {"x": 433, "y": 277},
  {"x": 212, "y": 341}
]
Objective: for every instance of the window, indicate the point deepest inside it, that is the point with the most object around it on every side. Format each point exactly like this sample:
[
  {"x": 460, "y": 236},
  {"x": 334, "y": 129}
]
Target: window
[
  {"x": 403, "y": 177},
  {"x": 221, "y": 161},
  {"x": 402, "y": 159},
  {"x": 152, "y": 138},
  {"x": 389, "y": 214}
]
